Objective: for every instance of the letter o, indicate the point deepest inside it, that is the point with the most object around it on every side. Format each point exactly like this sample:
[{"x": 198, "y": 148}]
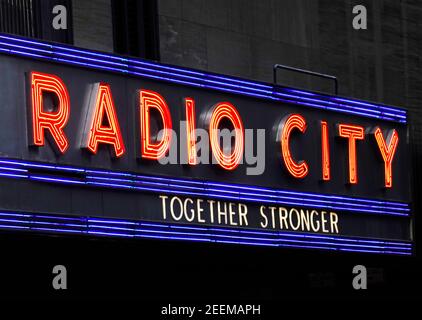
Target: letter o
[
  {"x": 228, "y": 111},
  {"x": 297, "y": 218},
  {"x": 177, "y": 218}
]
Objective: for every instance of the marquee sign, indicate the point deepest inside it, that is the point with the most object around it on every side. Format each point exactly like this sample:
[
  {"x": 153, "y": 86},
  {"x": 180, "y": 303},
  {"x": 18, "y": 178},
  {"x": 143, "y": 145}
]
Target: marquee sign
[{"x": 101, "y": 144}]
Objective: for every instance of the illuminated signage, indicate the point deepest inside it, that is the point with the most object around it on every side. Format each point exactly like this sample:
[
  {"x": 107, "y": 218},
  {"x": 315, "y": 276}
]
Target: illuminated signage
[
  {"x": 143, "y": 147},
  {"x": 101, "y": 109}
]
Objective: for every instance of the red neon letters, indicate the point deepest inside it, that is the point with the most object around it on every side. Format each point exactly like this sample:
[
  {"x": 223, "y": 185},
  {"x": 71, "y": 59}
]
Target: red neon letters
[
  {"x": 50, "y": 111},
  {"x": 102, "y": 110},
  {"x": 325, "y": 152},
  {"x": 149, "y": 100},
  {"x": 296, "y": 169},
  {"x": 228, "y": 111},
  {"x": 190, "y": 130},
  {"x": 352, "y": 133},
  {"x": 387, "y": 152},
  {"x": 55, "y": 120}
]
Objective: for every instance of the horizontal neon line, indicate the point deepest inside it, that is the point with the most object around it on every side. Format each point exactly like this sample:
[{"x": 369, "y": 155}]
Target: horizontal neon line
[
  {"x": 139, "y": 229},
  {"x": 255, "y": 199},
  {"x": 274, "y": 197},
  {"x": 139, "y": 225},
  {"x": 213, "y": 232},
  {"x": 82, "y": 57},
  {"x": 309, "y": 193},
  {"x": 329, "y": 103},
  {"x": 12, "y": 175},
  {"x": 222, "y": 186},
  {"x": 202, "y": 188},
  {"x": 218, "y": 196},
  {"x": 178, "y": 69},
  {"x": 260, "y": 192},
  {"x": 267, "y": 236}
]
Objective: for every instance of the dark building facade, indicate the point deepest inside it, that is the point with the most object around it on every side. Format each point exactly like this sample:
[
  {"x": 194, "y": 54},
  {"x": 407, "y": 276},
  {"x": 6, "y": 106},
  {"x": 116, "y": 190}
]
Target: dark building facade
[{"x": 245, "y": 39}]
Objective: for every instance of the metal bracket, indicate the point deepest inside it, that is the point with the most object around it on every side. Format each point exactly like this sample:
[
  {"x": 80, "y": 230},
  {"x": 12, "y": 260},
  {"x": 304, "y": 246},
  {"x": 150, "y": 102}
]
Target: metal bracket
[{"x": 316, "y": 74}]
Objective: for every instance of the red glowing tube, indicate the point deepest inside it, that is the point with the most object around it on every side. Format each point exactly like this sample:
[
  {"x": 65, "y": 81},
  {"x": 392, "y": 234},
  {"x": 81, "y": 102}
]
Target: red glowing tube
[
  {"x": 352, "y": 133},
  {"x": 53, "y": 121},
  {"x": 101, "y": 108},
  {"x": 190, "y": 130},
  {"x": 228, "y": 111},
  {"x": 387, "y": 152},
  {"x": 149, "y": 149},
  {"x": 325, "y": 152},
  {"x": 296, "y": 169}
]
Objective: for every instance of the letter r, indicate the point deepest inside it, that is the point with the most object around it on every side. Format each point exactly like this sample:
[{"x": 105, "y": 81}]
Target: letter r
[{"x": 54, "y": 120}]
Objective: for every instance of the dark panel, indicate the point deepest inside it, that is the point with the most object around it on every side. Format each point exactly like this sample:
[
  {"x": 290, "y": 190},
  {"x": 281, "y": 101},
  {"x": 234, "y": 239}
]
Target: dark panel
[{"x": 135, "y": 28}]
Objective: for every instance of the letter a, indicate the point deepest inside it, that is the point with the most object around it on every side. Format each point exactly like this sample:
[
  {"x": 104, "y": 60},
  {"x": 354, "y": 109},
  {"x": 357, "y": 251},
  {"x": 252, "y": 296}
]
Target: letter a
[
  {"x": 360, "y": 20},
  {"x": 102, "y": 125},
  {"x": 60, "y": 280},
  {"x": 359, "y": 281}
]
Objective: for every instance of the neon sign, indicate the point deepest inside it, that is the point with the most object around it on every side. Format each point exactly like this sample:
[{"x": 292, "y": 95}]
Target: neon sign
[
  {"x": 165, "y": 153},
  {"x": 102, "y": 109},
  {"x": 387, "y": 152},
  {"x": 54, "y": 121},
  {"x": 228, "y": 111},
  {"x": 153, "y": 100},
  {"x": 294, "y": 121}
]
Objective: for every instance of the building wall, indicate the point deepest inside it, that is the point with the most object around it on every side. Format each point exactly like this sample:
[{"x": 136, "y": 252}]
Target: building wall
[
  {"x": 246, "y": 38},
  {"x": 92, "y": 24}
]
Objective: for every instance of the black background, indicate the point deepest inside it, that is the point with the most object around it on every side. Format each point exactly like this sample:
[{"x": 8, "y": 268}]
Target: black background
[{"x": 155, "y": 273}]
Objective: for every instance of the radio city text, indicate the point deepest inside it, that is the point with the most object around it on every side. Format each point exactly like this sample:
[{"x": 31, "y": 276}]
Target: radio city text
[{"x": 102, "y": 127}]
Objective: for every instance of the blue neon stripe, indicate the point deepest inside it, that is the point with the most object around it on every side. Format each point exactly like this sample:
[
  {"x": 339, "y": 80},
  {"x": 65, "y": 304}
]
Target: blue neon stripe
[
  {"x": 303, "y": 202},
  {"x": 178, "y": 183},
  {"x": 265, "y": 233},
  {"x": 253, "y": 197},
  {"x": 158, "y": 230},
  {"x": 108, "y": 62},
  {"x": 129, "y": 181},
  {"x": 221, "y": 186}
]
